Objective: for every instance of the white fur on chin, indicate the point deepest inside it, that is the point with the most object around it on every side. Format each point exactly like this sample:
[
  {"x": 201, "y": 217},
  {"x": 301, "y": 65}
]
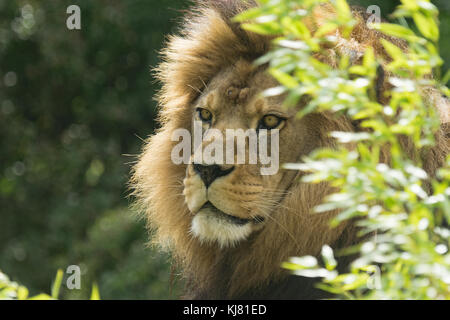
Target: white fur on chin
[{"x": 207, "y": 226}]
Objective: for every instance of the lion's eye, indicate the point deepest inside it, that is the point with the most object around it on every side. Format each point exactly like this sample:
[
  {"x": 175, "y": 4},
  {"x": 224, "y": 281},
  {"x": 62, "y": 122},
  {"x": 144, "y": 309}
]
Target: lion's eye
[
  {"x": 204, "y": 114},
  {"x": 270, "y": 121}
]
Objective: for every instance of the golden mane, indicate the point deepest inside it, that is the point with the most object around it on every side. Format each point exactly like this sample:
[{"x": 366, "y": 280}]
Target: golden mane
[{"x": 206, "y": 44}]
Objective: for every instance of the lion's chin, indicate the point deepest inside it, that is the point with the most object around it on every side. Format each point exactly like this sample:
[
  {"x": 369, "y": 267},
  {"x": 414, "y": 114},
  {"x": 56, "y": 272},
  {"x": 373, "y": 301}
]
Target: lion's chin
[{"x": 211, "y": 225}]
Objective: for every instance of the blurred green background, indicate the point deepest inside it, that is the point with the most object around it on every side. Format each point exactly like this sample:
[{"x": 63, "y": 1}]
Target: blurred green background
[{"x": 73, "y": 106}]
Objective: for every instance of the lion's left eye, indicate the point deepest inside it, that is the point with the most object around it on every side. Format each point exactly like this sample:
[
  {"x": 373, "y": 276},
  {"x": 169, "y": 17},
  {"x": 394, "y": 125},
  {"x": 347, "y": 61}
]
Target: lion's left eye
[
  {"x": 204, "y": 114},
  {"x": 270, "y": 121}
]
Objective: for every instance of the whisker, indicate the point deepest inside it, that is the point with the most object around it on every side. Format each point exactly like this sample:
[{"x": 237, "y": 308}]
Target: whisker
[
  {"x": 284, "y": 228},
  {"x": 143, "y": 140},
  {"x": 204, "y": 84},
  {"x": 193, "y": 88}
]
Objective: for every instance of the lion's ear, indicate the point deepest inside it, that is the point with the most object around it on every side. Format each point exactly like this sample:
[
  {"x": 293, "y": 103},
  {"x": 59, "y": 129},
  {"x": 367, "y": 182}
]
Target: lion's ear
[
  {"x": 441, "y": 102},
  {"x": 354, "y": 50}
]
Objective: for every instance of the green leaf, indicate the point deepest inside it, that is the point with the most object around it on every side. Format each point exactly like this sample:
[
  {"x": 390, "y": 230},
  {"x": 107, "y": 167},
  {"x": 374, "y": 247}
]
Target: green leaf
[
  {"x": 398, "y": 31},
  {"x": 304, "y": 262},
  {"x": 426, "y": 25},
  {"x": 357, "y": 69},
  {"x": 347, "y": 137},
  {"x": 95, "y": 294},
  {"x": 324, "y": 29},
  {"x": 343, "y": 9},
  {"x": 285, "y": 79},
  {"x": 369, "y": 62},
  {"x": 57, "y": 284},
  {"x": 265, "y": 29},
  {"x": 394, "y": 51},
  {"x": 328, "y": 257},
  {"x": 299, "y": 29},
  {"x": 310, "y": 107},
  {"x": 22, "y": 293},
  {"x": 446, "y": 77},
  {"x": 248, "y": 15}
]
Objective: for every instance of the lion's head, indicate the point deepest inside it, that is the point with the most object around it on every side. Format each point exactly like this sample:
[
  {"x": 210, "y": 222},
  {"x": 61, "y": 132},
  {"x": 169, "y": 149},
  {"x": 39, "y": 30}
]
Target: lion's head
[
  {"x": 229, "y": 202},
  {"x": 228, "y": 225}
]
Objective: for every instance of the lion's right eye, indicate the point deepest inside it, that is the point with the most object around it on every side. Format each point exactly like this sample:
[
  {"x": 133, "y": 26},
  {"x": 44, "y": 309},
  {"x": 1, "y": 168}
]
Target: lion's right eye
[{"x": 204, "y": 114}]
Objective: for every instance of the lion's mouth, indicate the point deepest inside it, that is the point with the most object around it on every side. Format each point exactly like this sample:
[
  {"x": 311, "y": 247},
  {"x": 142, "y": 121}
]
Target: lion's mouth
[{"x": 231, "y": 218}]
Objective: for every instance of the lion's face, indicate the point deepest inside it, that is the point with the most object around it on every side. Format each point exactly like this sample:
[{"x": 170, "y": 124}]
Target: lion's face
[{"x": 231, "y": 201}]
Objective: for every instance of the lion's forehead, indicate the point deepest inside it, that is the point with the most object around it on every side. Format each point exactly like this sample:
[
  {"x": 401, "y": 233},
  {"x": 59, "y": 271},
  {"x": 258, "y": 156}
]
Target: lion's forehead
[{"x": 235, "y": 91}]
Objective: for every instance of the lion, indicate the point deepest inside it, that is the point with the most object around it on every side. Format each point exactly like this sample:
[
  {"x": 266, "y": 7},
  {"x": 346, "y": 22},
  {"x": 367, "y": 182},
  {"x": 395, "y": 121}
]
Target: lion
[{"x": 228, "y": 227}]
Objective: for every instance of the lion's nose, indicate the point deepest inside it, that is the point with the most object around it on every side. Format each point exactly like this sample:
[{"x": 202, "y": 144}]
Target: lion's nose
[{"x": 209, "y": 173}]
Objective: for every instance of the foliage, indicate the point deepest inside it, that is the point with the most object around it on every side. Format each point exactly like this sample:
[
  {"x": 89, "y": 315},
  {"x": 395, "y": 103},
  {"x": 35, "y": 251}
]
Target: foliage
[
  {"x": 404, "y": 252},
  {"x": 10, "y": 290}
]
